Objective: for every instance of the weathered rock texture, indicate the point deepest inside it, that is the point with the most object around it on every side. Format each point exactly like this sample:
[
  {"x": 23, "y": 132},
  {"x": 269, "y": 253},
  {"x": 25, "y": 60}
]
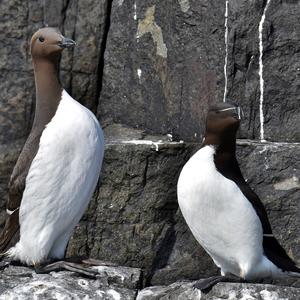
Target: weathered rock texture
[
  {"x": 159, "y": 64},
  {"x": 280, "y": 66},
  {"x": 151, "y": 68},
  {"x": 134, "y": 218},
  {"x": 112, "y": 283},
  {"x": 185, "y": 290},
  {"x": 121, "y": 283},
  {"x": 159, "y": 69}
]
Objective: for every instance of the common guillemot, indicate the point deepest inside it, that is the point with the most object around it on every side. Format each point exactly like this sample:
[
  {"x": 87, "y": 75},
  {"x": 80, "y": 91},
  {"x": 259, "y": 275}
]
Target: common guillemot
[
  {"x": 224, "y": 214},
  {"x": 58, "y": 169}
]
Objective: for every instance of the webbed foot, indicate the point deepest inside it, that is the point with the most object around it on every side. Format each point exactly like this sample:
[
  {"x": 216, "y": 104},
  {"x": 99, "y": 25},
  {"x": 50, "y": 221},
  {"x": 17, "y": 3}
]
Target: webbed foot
[{"x": 206, "y": 284}]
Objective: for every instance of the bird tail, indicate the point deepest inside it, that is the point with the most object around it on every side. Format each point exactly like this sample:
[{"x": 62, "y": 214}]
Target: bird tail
[{"x": 10, "y": 230}]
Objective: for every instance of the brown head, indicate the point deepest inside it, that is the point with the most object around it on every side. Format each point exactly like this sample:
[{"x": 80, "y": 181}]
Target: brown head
[
  {"x": 46, "y": 47},
  {"x": 48, "y": 43},
  {"x": 222, "y": 123}
]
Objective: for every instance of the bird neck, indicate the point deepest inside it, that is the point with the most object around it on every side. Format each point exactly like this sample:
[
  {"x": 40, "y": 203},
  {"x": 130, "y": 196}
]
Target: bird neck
[
  {"x": 224, "y": 144},
  {"x": 48, "y": 90}
]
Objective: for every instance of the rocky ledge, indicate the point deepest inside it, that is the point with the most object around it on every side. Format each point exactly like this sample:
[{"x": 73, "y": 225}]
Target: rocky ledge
[
  {"x": 134, "y": 220},
  {"x": 111, "y": 283},
  {"x": 234, "y": 291},
  {"x": 122, "y": 283}
]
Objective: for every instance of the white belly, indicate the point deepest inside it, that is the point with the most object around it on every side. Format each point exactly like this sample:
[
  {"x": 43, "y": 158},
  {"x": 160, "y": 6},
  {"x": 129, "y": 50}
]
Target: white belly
[
  {"x": 220, "y": 217},
  {"x": 60, "y": 182}
]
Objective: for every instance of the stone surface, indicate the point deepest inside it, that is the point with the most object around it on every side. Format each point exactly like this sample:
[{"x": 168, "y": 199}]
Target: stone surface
[
  {"x": 159, "y": 74},
  {"x": 8, "y": 156},
  {"x": 280, "y": 66},
  {"x": 134, "y": 219},
  {"x": 185, "y": 290},
  {"x": 163, "y": 63},
  {"x": 112, "y": 283},
  {"x": 122, "y": 283},
  {"x": 84, "y": 21},
  {"x": 174, "y": 66},
  {"x": 128, "y": 220},
  {"x": 150, "y": 68}
]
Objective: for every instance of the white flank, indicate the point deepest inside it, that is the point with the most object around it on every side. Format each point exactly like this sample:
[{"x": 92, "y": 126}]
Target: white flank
[
  {"x": 60, "y": 182},
  {"x": 222, "y": 219},
  {"x": 260, "y": 72},
  {"x": 226, "y": 51}
]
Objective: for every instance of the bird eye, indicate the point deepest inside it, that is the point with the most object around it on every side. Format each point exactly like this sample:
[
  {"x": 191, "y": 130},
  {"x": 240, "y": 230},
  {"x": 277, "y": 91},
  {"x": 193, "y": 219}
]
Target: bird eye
[{"x": 41, "y": 39}]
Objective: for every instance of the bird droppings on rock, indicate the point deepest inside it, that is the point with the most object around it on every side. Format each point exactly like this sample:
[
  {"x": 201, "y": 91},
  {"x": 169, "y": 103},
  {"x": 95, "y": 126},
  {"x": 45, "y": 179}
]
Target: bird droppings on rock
[
  {"x": 148, "y": 25},
  {"x": 23, "y": 283},
  {"x": 288, "y": 184},
  {"x": 184, "y": 5}
]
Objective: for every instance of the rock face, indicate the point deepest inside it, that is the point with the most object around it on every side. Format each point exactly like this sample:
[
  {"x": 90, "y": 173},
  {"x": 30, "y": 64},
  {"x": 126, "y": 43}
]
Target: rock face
[
  {"x": 111, "y": 283},
  {"x": 134, "y": 217},
  {"x": 280, "y": 61},
  {"x": 185, "y": 290},
  {"x": 148, "y": 69},
  {"x": 159, "y": 69},
  {"x": 157, "y": 65},
  {"x": 121, "y": 283}
]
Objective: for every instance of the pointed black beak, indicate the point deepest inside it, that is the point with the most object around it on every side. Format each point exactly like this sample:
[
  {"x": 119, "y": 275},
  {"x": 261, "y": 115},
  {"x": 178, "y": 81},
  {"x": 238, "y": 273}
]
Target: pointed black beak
[{"x": 66, "y": 43}]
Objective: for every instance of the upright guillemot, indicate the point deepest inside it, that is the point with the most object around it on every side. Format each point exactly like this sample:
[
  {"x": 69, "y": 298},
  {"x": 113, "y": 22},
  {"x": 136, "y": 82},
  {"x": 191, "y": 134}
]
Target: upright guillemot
[
  {"x": 58, "y": 168},
  {"x": 224, "y": 214}
]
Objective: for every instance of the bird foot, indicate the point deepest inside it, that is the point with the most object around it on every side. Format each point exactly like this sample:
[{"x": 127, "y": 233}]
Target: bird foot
[
  {"x": 82, "y": 268},
  {"x": 57, "y": 266},
  {"x": 206, "y": 284}
]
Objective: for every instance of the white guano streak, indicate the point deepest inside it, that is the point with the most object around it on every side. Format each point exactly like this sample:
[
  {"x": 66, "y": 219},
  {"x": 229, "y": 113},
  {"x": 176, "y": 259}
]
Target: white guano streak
[
  {"x": 134, "y": 13},
  {"x": 260, "y": 72},
  {"x": 226, "y": 50}
]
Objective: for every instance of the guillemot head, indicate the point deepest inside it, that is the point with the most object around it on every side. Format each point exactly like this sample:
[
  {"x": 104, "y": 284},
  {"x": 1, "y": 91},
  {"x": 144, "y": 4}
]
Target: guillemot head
[
  {"x": 222, "y": 122},
  {"x": 48, "y": 42}
]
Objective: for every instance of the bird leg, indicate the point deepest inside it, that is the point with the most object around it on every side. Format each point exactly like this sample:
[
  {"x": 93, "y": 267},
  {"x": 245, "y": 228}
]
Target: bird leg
[
  {"x": 81, "y": 267},
  {"x": 67, "y": 266},
  {"x": 206, "y": 284}
]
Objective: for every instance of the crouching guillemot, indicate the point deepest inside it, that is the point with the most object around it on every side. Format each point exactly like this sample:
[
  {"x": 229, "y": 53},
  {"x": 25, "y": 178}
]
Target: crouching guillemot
[
  {"x": 58, "y": 169},
  {"x": 224, "y": 214}
]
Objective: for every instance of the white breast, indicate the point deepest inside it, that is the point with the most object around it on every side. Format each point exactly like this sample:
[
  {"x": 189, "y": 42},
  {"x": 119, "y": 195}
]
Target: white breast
[
  {"x": 220, "y": 217},
  {"x": 60, "y": 182}
]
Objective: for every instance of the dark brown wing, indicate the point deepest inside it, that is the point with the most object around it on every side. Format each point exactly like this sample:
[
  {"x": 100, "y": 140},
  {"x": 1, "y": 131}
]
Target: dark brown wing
[
  {"x": 228, "y": 167},
  {"x": 16, "y": 188}
]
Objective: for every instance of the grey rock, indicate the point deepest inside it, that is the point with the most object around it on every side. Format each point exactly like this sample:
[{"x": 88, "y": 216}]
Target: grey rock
[
  {"x": 158, "y": 78},
  {"x": 16, "y": 106},
  {"x": 153, "y": 73},
  {"x": 8, "y": 156},
  {"x": 121, "y": 276},
  {"x": 185, "y": 290},
  {"x": 164, "y": 65},
  {"x": 281, "y": 67},
  {"x": 113, "y": 283},
  {"x": 159, "y": 74},
  {"x": 128, "y": 220},
  {"x": 85, "y": 22},
  {"x": 134, "y": 218}
]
